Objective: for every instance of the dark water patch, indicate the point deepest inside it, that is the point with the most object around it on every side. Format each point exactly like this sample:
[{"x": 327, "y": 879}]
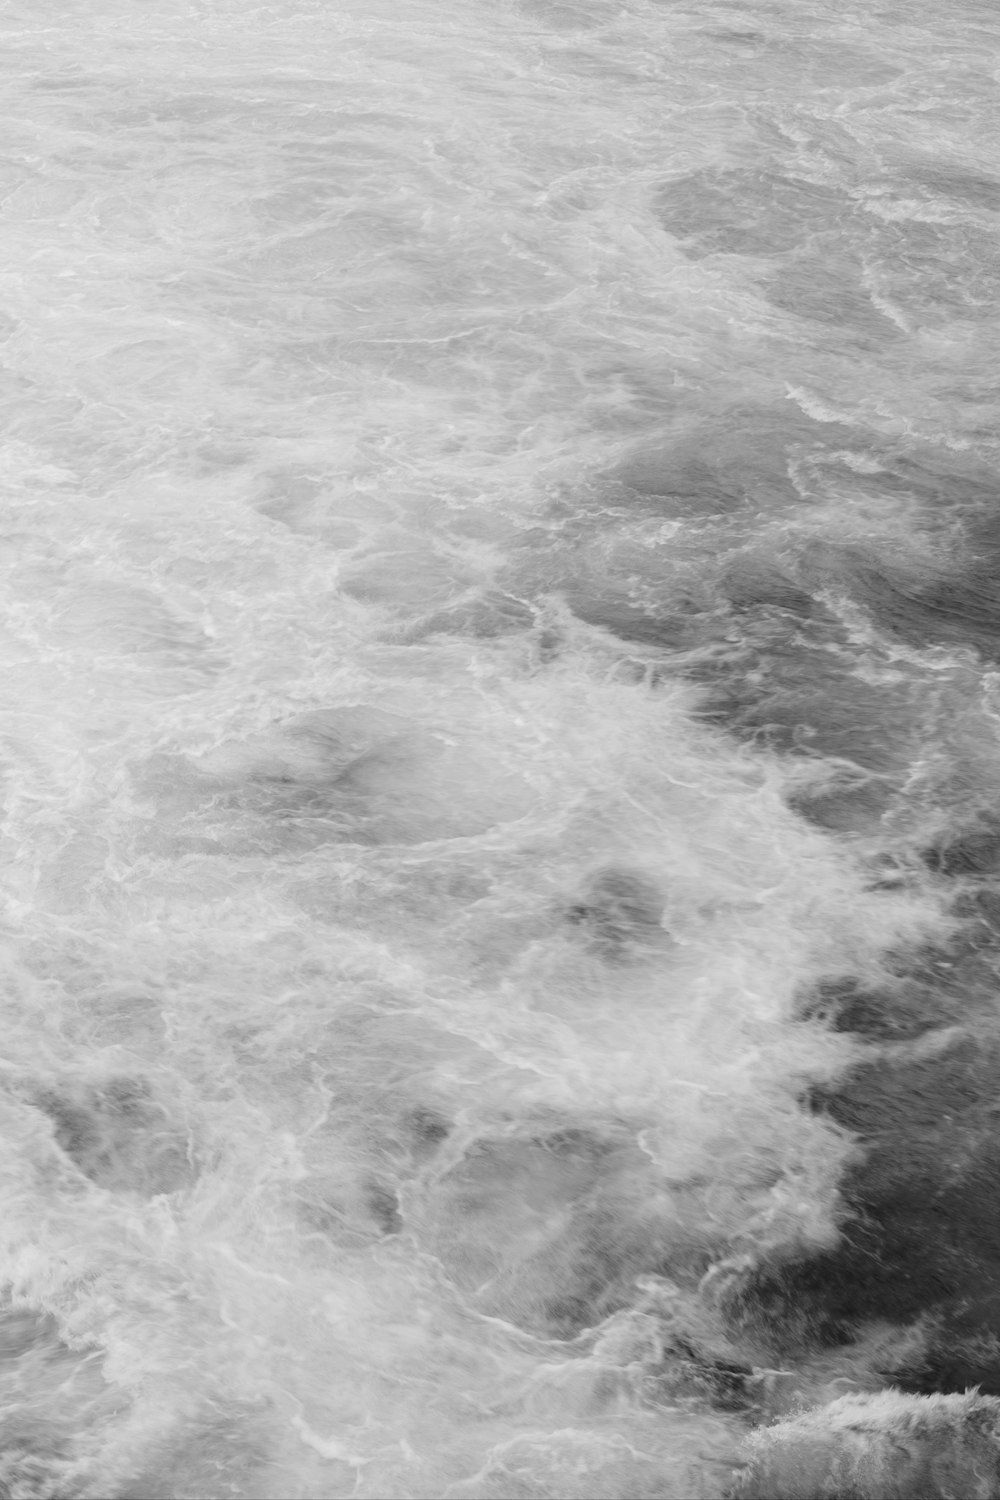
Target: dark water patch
[
  {"x": 975, "y": 189},
  {"x": 678, "y": 624},
  {"x": 348, "y": 1216},
  {"x": 429, "y": 1130},
  {"x": 739, "y": 459},
  {"x": 356, "y": 1209},
  {"x": 754, "y": 582},
  {"x": 924, "y": 605},
  {"x": 920, "y": 1237},
  {"x": 944, "y": 482},
  {"x": 798, "y": 652},
  {"x": 738, "y": 38},
  {"x": 801, "y": 695},
  {"x": 975, "y": 852},
  {"x": 687, "y": 486},
  {"x": 981, "y": 910},
  {"x": 745, "y": 211},
  {"x": 620, "y": 913},
  {"x": 826, "y": 287},
  {"x": 894, "y": 1013},
  {"x": 788, "y": 666},
  {"x": 936, "y": 271},
  {"x": 848, "y": 803},
  {"x": 383, "y": 1204},
  {"x": 780, "y": 669},
  {"x": 722, "y": 1381},
  {"x": 119, "y": 1136},
  {"x": 950, "y": 1359}
]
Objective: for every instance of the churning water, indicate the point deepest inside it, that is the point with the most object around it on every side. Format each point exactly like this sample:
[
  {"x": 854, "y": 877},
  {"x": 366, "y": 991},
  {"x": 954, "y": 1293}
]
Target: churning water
[{"x": 501, "y": 744}]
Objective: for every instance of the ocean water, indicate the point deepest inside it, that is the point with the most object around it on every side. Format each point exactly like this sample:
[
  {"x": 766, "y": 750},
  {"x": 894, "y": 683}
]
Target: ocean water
[{"x": 500, "y": 645}]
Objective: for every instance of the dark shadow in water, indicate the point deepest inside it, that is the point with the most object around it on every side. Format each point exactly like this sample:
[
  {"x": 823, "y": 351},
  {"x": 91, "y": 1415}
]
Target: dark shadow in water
[
  {"x": 383, "y": 1205},
  {"x": 754, "y": 583},
  {"x": 738, "y": 463},
  {"x": 620, "y": 914},
  {"x": 921, "y": 1230},
  {"x": 950, "y": 608},
  {"x": 746, "y": 211},
  {"x": 785, "y": 674},
  {"x": 743, "y": 466},
  {"x": 119, "y": 1136},
  {"x": 848, "y": 803},
  {"x": 428, "y": 1129},
  {"x": 688, "y": 1371},
  {"x": 677, "y": 626},
  {"x": 971, "y": 188},
  {"x": 800, "y": 694},
  {"x": 890, "y": 1014},
  {"x": 780, "y": 667},
  {"x": 973, "y": 853},
  {"x": 825, "y": 285}
]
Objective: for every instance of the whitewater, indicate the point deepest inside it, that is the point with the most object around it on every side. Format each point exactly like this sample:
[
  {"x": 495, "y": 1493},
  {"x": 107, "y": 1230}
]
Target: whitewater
[{"x": 500, "y": 749}]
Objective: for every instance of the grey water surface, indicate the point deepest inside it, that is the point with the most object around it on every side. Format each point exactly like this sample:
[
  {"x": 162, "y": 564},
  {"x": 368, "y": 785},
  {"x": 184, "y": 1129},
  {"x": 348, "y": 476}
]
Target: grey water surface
[{"x": 500, "y": 739}]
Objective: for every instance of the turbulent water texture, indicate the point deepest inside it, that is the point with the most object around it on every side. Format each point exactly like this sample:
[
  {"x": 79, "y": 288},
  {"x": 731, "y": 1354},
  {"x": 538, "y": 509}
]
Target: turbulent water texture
[{"x": 500, "y": 644}]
